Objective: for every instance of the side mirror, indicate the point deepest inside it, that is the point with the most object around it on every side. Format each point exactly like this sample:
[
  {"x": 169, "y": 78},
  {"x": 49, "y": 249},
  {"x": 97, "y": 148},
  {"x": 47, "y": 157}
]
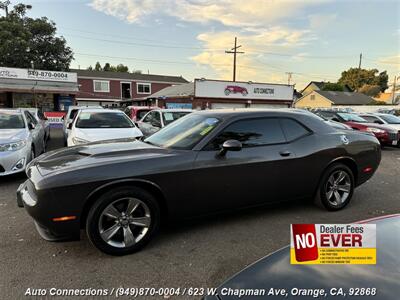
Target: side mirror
[
  {"x": 31, "y": 126},
  {"x": 230, "y": 145},
  {"x": 69, "y": 126}
]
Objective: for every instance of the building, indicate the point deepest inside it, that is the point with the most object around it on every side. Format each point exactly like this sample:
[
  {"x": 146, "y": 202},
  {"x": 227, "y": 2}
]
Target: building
[
  {"x": 207, "y": 94},
  {"x": 117, "y": 88},
  {"x": 316, "y": 99},
  {"x": 47, "y": 90},
  {"x": 319, "y": 86}
]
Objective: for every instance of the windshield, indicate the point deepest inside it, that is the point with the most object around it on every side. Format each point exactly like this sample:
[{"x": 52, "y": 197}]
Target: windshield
[
  {"x": 185, "y": 133},
  {"x": 11, "y": 120},
  {"x": 352, "y": 118},
  {"x": 103, "y": 120},
  {"x": 170, "y": 117},
  {"x": 391, "y": 119}
]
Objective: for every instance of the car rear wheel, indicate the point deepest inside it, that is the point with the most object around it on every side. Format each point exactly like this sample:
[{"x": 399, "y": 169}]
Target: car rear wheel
[
  {"x": 123, "y": 220},
  {"x": 336, "y": 187}
]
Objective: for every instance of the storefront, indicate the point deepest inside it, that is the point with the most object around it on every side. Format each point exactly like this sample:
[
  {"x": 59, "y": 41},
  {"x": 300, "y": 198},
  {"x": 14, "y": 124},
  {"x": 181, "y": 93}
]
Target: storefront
[
  {"x": 50, "y": 91},
  {"x": 214, "y": 94}
]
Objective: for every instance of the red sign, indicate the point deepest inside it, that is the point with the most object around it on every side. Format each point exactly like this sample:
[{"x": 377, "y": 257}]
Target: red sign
[
  {"x": 55, "y": 117},
  {"x": 305, "y": 242}
]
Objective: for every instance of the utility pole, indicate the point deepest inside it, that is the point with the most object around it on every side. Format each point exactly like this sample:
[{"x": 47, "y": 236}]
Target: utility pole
[
  {"x": 394, "y": 89},
  {"x": 234, "y": 52},
  {"x": 359, "y": 63},
  {"x": 289, "y": 74}
]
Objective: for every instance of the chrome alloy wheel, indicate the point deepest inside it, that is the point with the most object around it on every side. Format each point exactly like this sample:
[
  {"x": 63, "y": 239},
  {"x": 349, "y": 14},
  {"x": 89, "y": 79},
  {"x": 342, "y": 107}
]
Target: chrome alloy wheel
[
  {"x": 124, "y": 222},
  {"x": 338, "y": 187}
]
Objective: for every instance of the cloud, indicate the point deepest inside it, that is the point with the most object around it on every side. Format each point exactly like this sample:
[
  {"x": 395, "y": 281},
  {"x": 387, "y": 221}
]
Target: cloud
[
  {"x": 321, "y": 21},
  {"x": 252, "y": 21}
]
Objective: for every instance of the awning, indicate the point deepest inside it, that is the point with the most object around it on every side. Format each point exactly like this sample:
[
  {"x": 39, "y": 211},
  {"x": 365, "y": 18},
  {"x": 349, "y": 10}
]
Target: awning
[{"x": 32, "y": 86}]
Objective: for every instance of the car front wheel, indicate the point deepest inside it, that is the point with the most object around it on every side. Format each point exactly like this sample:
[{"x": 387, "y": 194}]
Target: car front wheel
[
  {"x": 123, "y": 220},
  {"x": 336, "y": 187}
]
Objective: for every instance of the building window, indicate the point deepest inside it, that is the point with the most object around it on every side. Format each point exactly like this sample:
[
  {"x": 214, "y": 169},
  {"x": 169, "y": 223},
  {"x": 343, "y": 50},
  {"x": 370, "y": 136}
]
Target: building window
[
  {"x": 143, "y": 88},
  {"x": 312, "y": 97},
  {"x": 101, "y": 86}
]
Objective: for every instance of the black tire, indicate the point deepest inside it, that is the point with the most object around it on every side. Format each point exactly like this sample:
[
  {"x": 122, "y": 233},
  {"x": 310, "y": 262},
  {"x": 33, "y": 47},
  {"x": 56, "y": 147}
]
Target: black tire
[
  {"x": 321, "y": 197},
  {"x": 96, "y": 213}
]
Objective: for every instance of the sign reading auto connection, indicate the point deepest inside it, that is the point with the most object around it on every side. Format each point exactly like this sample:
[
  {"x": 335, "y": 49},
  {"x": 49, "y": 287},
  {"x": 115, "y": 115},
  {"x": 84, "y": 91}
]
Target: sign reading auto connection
[
  {"x": 31, "y": 74},
  {"x": 242, "y": 90},
  {"x": 333, "y": 244}
]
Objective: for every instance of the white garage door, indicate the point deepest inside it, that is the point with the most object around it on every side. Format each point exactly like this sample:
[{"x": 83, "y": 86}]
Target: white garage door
[
  {"x": 268, "y": 106},
  {"x": 226, "y": 105}
]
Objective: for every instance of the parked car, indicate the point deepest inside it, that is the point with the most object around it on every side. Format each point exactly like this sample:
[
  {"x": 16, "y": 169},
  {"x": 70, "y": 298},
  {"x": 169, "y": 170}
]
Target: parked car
[
  {"x": 385, "y": 134},
  {"x": 206, "y": 162},
  {"x": 384, "y": 119},
  {"x": 70, "y": 115},
  {"x": 136, "y": 113},
  {"x": 40, "y": 117},
  {"x": 21, "y": 140},
  {"x": 97, "y": 124},
  {"x": 154, "y": 120},
  {"x": 391, "y": 111},
  {"x": 275, "y": 272},
  {"x": 235, "y": 89}
]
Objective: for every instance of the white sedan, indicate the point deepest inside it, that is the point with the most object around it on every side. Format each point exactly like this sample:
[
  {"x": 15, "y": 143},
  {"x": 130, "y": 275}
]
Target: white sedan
[{"x": 92, "y": 125}]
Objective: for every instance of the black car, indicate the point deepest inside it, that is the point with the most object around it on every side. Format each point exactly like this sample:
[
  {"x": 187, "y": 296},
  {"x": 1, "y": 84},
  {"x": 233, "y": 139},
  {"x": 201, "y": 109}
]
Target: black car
[
  {"x": 380, "y": 281},
  {"x": 206, "y": 162}
]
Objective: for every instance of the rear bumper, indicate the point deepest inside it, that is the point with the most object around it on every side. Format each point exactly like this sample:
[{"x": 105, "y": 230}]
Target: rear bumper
[{"x": 43, "y": 209}]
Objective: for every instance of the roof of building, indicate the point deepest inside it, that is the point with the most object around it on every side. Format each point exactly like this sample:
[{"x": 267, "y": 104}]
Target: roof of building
[
  {"x": 321, "y": 84},
  {"x": 130, "y": 76},
  {"x": 182, "y": 90},
  {"x": 346, "y": 98}
]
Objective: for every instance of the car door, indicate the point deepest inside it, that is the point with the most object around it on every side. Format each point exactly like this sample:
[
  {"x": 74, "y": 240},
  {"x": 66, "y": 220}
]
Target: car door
[
  {"x": 37, "y": 133},
  {"x": 257, "y": 174},
  {"x": 151, "y": 123}
]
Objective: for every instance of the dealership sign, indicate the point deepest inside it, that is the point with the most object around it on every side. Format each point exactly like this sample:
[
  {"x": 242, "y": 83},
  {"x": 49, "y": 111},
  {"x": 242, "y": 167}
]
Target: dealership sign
[
  {"x": 40, "y": 75},
  {"x": 242, "y": 90},
  {"x": 333, "y": 244},
  {"x": 55, "y": 118}
]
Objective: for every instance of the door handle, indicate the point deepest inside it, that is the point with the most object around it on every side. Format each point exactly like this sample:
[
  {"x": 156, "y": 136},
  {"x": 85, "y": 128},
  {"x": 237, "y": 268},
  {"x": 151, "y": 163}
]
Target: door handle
[{"x": 285, "y": 153}]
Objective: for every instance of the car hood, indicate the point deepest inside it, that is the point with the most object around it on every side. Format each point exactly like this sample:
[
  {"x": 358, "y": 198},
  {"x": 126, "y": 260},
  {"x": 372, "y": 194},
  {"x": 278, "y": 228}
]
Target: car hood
[
  {"x": 100, "y": 153},
  {"x": 101, "y": 134},
  {"x": 275, "y": 270},
  {"x": 373, "y": 125},
  {"x": 12, "y": 135}
]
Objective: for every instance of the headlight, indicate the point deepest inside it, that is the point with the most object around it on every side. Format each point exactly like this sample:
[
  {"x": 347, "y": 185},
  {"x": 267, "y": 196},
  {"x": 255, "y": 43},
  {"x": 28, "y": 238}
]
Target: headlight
[
  {"x": 79, "y": 141},
  {"x": 12, "y": 146},
  {"x": 375, "y": 130}
]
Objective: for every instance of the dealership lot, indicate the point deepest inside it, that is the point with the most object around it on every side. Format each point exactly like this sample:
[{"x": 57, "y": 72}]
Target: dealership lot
[{"x": 200, "y": 253}]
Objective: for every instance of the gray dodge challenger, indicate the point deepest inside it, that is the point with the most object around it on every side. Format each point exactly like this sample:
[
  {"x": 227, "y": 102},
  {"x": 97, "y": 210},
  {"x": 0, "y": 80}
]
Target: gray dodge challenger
[{"x": 207, "y": 162}]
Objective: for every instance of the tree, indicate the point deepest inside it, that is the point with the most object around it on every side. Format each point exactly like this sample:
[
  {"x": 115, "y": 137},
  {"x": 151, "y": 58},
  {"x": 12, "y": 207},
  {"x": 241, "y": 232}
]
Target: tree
[
  {"x": 356, "y": 78},
  {"x": 370, "y": 90},
  {"x": 97, "y": 67},
  {"x": 332, "y": 86},
  {"x": 110, "y": 68},
  {"x": 107, "y": 67},
  {"x": 27, "y": 42}
]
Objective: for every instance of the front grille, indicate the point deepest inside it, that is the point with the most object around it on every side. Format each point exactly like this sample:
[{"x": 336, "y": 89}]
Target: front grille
[{"x": 2, "y": 169}]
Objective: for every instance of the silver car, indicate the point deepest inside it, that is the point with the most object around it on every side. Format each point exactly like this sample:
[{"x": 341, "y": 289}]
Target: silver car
[
  {"x": 21, "y": 140},
  {"x": 156, "y": 119},
  {"x": 40, "y": 117}
]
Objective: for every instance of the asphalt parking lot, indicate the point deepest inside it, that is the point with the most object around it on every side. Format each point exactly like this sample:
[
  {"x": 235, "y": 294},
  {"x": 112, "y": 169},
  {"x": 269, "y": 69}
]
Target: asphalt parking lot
[{"x": 200, "y": 253}]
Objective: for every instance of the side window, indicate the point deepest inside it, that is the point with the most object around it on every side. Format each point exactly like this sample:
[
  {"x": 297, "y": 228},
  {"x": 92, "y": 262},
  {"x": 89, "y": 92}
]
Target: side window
[
  {"x": 370, "y": 118},
  {"x": 293, "y": 130},
  {"x": 157, "y": 116},
  {"x": 140, "y": 113},
  {"x": 251, "y": 133},
  {"x": 149, "y": 117},
  {"x": 30, "y": 118},
  {"x": 127, "y": 111},
  {"x": 41, "y": 115},
  {"x": 73, "y": 114}
]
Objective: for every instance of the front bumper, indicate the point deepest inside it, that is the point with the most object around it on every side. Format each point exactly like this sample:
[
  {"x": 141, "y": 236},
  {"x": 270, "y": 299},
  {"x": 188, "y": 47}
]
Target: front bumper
[
  {"x": 9, "y": 160},
  {"x": 42, "y": 209}
]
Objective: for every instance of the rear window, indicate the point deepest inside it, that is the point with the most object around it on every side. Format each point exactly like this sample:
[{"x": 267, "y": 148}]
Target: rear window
[
  {"x": 293, "y": 130},
  {"x": 169, "y": 117},
  {"x": 103, "y": 120}
]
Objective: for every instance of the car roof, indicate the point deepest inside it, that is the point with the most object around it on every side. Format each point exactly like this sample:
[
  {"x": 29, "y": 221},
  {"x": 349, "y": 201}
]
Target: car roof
[
  {"x": 103, "y": 110},
  {"x": 15, "y": 110},
  {"x": 174, "y": 110},
  {"x": 254, "y": 111}
]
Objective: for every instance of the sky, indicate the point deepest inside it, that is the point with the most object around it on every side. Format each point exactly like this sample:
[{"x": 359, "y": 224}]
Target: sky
[{"x": 313, "y": 39}]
